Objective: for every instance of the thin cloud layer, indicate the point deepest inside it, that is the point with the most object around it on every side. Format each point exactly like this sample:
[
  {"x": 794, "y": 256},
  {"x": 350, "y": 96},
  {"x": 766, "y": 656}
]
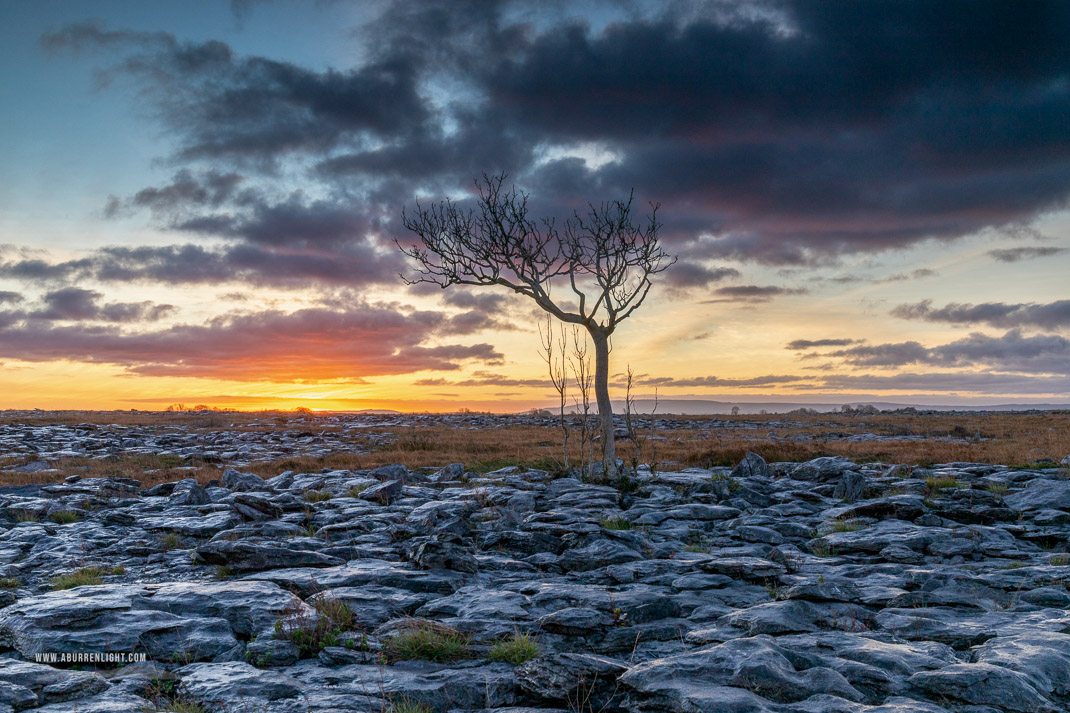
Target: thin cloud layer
[
  {"x": 1042, "y": 353},
  {"x": 1054, "y": 315}
]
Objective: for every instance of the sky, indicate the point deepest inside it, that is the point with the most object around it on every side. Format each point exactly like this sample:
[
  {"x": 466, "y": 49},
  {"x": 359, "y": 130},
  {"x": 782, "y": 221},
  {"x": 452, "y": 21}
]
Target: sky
[{"x": 199, "y": 199}]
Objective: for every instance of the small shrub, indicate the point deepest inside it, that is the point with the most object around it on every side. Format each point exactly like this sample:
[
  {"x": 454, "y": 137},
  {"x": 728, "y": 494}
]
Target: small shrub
[
  {"x": 309, "y": 531},
  {"x": 223, "y": 572},
  {"x": 117, "y": 570},
  {"x": 64, "y": 517},
  {"x": 317, "y": 496},
  {"x": 8, "y": 583},
  {"x": 1059, "y": 560},
  {"x": 311, "y": 632},
  {"x": 997, "y": 488},
  {"x": 426, "y": 641},
  {"x": 515, "y": 650},
  {"x": 79, "y": 578},
  {"x": 170, "y": 541},
  {"x": 615, "y": 523},
  {"x": 356, "y": 490}
]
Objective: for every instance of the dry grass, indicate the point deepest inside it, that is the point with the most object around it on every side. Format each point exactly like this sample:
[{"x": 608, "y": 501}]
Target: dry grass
[{"x": 1000, "y": 438}]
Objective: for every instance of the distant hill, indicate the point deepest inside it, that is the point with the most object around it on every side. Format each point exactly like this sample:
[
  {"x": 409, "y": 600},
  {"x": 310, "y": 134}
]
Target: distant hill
[{"x": 702, "y": 407}]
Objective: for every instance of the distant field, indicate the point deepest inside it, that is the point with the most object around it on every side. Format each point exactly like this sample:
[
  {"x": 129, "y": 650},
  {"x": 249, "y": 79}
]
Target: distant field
[{"x": 484, "y": 442}]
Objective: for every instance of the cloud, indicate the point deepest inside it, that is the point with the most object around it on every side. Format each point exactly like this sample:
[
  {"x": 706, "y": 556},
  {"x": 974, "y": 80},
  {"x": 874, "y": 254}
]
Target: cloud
[
  {"x": 1053, "y": 315},
  {"x": 958, "y": 382},
  {"x": 77, "y": 304},
  {"x": 800, "y": 344},
  {"x": 714, "y": 381},
  {"x": 754, "y": 293},
  {"x": 10, "y": 297},
  {"x": 790, "y": 133},
  {"x": 1029, "y": 253},
  {"x": 255, "y": 109},
  {"x": 307, "y": 345},
  {"x": 1041, "y": 354},
  {"x": 689, "y": 274},
  {"x": 485, "y": 378},
  {"x": 357, "y": 263}
]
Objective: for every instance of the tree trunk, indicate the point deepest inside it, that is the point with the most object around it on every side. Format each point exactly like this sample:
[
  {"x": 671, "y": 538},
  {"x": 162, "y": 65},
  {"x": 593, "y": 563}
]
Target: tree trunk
[{"x": 605, "y": 407}]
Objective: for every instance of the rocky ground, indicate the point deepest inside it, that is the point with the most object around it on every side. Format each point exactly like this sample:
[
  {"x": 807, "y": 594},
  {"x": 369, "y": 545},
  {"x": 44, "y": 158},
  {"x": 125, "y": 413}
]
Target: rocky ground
[
  {"x": 817, "y": 587},
  {"x": 262, "y": 439}
]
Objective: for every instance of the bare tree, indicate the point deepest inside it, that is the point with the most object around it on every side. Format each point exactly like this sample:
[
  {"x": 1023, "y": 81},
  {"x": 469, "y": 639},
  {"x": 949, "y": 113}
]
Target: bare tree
[
  {"x": 604, "y": 258},
  {"x": 580, "y": 362},
  {"x": 556, "y": 357}
]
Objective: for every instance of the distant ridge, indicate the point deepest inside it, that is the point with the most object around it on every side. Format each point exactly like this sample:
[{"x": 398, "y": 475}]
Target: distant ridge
[{"x": 703, "y": 407}]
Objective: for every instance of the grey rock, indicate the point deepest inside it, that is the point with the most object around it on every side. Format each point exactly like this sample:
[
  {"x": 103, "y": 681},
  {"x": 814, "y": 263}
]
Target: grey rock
[
  {"x": 106, "y": 618},
  {"x": 27, "y": 684},
  {"x": 268, "y": 651},
  {"x": 223, "y": 683},
  {"x": 383, "y": 493},
  {"x": 822, "y": 469},
  {"x": 851, "y": 486},
  {"x": 234, "y": 479},
  {"x": 752, "y": 465},
  {"x": 249, "y": 607},
  {"x": 1041, "y": 494},
  {"x": 569, "y": 677},
  {"x": 111, "y": 701},
  {"x": 243, "y": 556},
  {"x": 984, "y": 683},
  {"x": 188, "y": 492}
]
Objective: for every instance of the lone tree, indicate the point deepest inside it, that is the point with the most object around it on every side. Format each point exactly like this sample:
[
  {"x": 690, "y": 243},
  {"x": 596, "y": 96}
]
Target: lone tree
[{"x": 604, "y": 258}]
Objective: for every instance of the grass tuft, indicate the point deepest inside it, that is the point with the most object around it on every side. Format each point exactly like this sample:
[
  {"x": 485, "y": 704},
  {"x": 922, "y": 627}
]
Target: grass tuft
[
  {"x": 79, "y": 578},
  {"x": 64, "y": 517},
  {"x": 514, "y": 650},
  {"x": 615, "y": 523},
  {"x": 936, "y": 483},
  {"x": 407, "y": 705},
  {"x": 317, "y": 496},
  {"x": 426, "y": 641}
]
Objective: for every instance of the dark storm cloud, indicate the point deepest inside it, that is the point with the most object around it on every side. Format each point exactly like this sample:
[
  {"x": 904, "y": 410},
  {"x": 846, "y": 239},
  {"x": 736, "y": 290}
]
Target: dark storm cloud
[
  {"x": 10, "y": 297},
  {"x": 800, "y": 344},
  {"x": 1029, "y": 253},
  {"x": 790, "y": 132},
  {"x": 849, "y": 132},
  {"x": 307, "y": 345},
  {"x": 1041, "y": 354},
  {"x": 1053, "y": 315}
]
